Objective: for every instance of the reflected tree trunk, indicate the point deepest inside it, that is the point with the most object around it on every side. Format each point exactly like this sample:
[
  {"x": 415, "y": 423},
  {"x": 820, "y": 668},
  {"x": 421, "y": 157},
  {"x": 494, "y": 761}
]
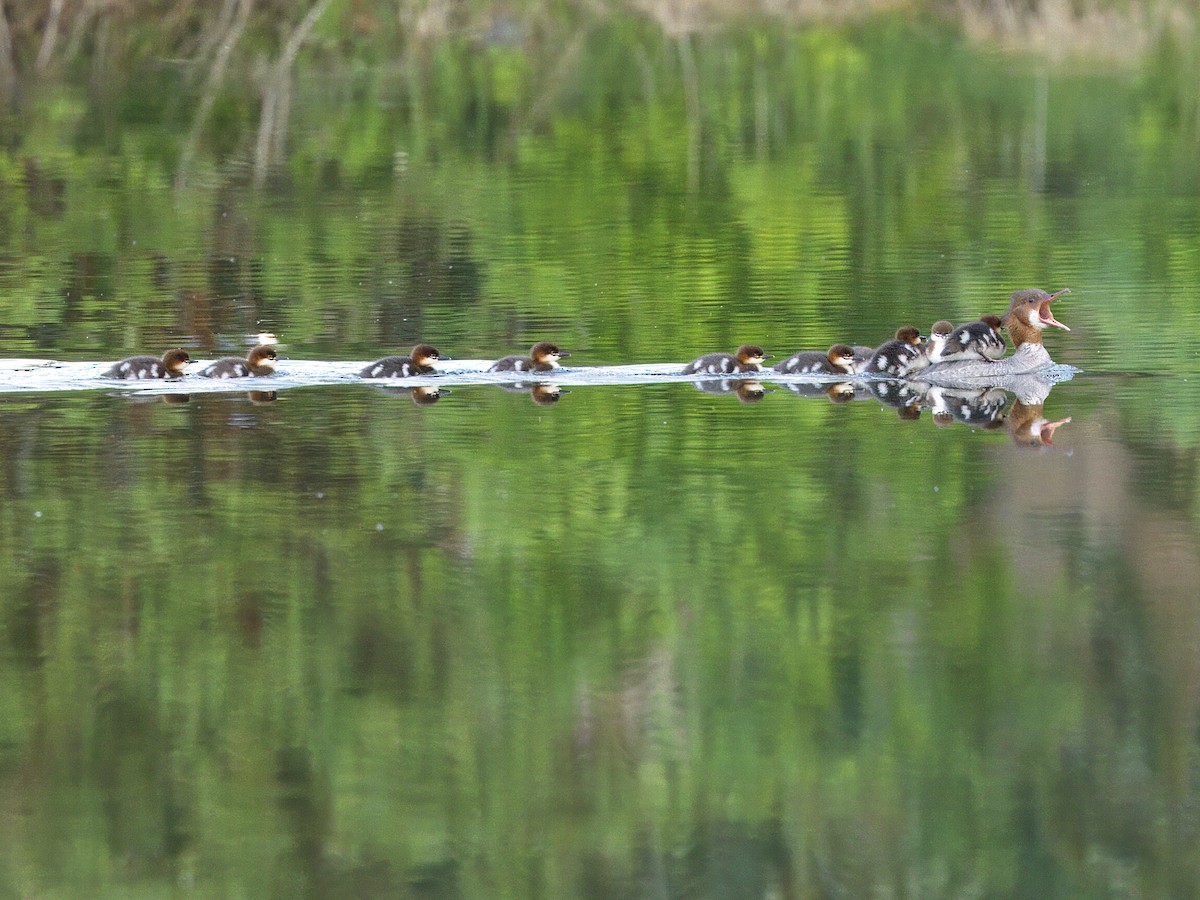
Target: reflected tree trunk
[
  {"x": 277, "y": 97},
  {"x": 8, "y": 70},
  {"x": 691, "y": 93},
  {"x": 215, "y": 76},
  {"x": 49, "y": 36},
  {"x": 1041, "y": 103}
]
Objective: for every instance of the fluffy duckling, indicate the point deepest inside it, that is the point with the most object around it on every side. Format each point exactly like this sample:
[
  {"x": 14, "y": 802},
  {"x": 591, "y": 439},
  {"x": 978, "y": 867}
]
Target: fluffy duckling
[
  {"x": 747, "y": 358},
  {"x": 899, "y": 356},
  {"x": 419, "y": 363},
  {"x": 171, "y": 365},
  {"x": 543, "y": 357},
  {"x": 261, "y": 361},
  {"x": 838, "y": 360}
]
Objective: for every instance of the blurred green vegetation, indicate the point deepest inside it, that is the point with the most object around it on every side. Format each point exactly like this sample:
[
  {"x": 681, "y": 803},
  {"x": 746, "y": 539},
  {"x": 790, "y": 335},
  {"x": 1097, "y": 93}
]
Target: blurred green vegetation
[{"x": 315, "y": 647}]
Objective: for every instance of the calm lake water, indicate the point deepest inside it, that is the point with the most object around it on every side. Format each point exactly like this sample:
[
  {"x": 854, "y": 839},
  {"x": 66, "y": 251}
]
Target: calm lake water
[{"x": 646, "y": 640}]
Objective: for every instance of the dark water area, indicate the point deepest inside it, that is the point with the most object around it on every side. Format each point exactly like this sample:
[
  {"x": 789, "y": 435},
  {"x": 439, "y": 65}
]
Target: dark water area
[{"x": 646, "y": 640}]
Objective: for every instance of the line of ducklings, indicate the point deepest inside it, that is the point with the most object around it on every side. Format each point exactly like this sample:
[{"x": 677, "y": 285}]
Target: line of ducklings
[
  {"x": 543, "y": 357},
  {"x": 900, "y": 357},
  {"x": 908, "y": 352}
]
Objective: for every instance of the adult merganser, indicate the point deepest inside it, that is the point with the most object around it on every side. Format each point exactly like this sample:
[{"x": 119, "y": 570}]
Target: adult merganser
[
  {"x": 543, "y": 357},
  {"x": 937, "y": 339},
  {"x": 900, "y": 356},
  {"x": 171, "y": 365},
  {"x": 419, "y": 363},
  {"x": 838, "y": 360},
  {"x": 748, "y": 358},
  {"x": 975, "y": 340},
  {"x": 1027, "y": 315},
  {"x": 261, "y": 361}
]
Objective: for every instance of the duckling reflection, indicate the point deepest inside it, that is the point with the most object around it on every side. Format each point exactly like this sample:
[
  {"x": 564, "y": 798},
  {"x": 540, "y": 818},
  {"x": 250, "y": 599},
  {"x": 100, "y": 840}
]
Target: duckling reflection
[
  {"x": 839, "y": 392},
  {"x": 425, "y": 395},
  {"x": 903, "y": 396},
  {"x": 539, "y": 392},
  {"x": 746, "y": 390},
  {"x": 139, "y": 397},
  {"x": 1028, "y": 427},
  {"x": 973, "y": 407},
  {"x": 262, "y": 398}
]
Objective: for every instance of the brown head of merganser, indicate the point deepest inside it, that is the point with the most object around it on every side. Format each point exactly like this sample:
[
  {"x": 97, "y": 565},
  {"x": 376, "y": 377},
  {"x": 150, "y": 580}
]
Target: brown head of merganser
[
  {"x": 1029, "y": 313},
  {"x": 261, "y": 361},
  {"x": 1029, "y": 428},
  {"x": 937, "y": 339},
  {"x": 747, "y": 358},
  {"x": 899, "y": 356},
  {"x": 171, "y": 365},
  {"x": 543, "y": 357},
  {"x": 838, "y": 360},
  {"x": 419, "y": 363}
]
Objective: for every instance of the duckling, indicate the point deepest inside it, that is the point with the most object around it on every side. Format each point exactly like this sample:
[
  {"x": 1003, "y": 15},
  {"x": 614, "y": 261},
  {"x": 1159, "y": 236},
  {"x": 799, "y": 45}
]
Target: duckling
[
  {"x": 899, "y": 356},
  {"x": 975, "y": 340},
  {"x": 419, "y": 363},
  {"x": 937, "y": 339},
  {"x": 748, "y": 358},
  {"x": 543, "y": 357},
  {"x": 838, "y": 360},
  {"x": 171, "y": 365},
  {"x": 261, "y": 361}
]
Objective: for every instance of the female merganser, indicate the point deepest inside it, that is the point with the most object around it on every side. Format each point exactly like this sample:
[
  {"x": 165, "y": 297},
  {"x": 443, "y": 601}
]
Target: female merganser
[
  {"x": 171, "y": 365},
  {"x": 543, "y": 357},
  {"x": 937, "y": 339},
  {"x": 839, "y": 360},
  {"x": 261, "y": 361},
  {"x": 899, "y": 356},
  {"x": 420, "y": 363},
  {"x": 748, "y": 358},
  {"x": 975, "y": 340},
  {"x": 1028, "y": 314}
]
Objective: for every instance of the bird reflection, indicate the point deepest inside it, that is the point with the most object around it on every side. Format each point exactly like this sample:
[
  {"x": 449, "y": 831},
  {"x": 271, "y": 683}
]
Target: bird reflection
[
  {"x": 424, "y": 395},
  {"x": 840, "y": 392},
  {"x": 1015, "y": 405},
  {"x": 261, "y": 398},
  {"x": 747, "y": 390},
  {"x": 539, "y": 392},
  {"x": 1027, "y": 426}
]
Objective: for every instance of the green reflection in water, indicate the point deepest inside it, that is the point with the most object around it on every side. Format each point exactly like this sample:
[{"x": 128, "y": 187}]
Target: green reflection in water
[{"x": 645, "y": 641}]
